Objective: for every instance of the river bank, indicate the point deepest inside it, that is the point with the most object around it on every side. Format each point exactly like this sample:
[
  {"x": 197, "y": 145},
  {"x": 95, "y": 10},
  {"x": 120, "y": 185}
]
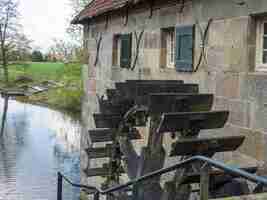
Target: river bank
[{"x": 66, "y": 98}]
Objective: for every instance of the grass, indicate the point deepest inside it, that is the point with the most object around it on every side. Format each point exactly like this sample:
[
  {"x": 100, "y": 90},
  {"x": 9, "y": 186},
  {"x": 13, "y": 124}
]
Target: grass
[
  {"x": 37, "y": 69},
  {"x": 67, "y": 98}
]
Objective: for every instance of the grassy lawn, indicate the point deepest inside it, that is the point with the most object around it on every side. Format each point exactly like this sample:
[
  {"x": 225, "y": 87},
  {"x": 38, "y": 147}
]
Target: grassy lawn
[
  {"x": 67, "y": 98},
  {"x": 36, "y": 69}
]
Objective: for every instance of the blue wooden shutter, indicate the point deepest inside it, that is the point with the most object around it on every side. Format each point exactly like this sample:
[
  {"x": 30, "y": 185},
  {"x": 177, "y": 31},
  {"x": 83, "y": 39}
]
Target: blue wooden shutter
[
  {"x": 126, "y": 50},
  {"x": 184, "y": 48}
]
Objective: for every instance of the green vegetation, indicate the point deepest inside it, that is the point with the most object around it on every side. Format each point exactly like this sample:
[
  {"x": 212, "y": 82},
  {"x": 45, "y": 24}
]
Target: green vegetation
[
  {"x": 37, "y": 56},
  {"x": 67, "y": 97}
]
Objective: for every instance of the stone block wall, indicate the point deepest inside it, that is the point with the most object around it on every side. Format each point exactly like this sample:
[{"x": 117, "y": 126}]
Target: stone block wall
[{"x": 228, "y": 70}]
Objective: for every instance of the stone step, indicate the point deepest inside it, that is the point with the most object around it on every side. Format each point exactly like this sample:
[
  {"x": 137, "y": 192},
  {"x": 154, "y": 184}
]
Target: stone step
[
  {"x": 173, "y": 122},
  {"x": 202, "y": 146},
  {"x": 107, "y": 135},
  {"x": 177, "y": 102},
  {"x": 102, "y": 171},
  {"x": 216, "y": 176}
]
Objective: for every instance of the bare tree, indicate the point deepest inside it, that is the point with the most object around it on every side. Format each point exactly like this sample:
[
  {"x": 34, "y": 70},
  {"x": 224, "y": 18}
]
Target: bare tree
[
  {"x": 22, "y": 48},
  {"x": 8, "y": 30},
  {"x": 76, "y": 31}
]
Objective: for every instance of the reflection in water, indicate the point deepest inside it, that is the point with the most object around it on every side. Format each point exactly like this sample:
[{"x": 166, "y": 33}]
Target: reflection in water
[
  {"x": 3, "y": 121},
  {"x": 37, "y": 142}
]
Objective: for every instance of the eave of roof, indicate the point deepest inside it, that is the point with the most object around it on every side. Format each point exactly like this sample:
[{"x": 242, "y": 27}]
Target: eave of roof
[{"x": 98, "y": 7}]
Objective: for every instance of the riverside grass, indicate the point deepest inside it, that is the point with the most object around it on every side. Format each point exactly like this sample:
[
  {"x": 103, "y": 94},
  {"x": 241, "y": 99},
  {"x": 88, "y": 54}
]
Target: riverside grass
[{"x": 66, "y": 98}]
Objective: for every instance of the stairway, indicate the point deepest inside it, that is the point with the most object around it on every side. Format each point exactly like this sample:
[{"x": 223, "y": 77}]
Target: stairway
[{"x": 166, "y": 107}]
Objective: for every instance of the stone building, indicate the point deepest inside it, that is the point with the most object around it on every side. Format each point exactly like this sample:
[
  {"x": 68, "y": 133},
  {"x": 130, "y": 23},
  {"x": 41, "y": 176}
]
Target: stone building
[{"x": 220, "y": 45}]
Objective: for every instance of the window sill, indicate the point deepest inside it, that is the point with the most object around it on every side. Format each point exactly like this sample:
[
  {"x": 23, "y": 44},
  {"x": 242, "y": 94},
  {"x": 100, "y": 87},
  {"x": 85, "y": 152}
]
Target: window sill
[
  {"x": 119, "y": 67},
  {"x": 167, "y": 69}
]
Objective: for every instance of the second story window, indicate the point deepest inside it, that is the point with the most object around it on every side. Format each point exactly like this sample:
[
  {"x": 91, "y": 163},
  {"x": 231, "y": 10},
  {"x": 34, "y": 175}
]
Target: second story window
[
  {"x": 122, "y": 50},
  {"x": 261, "y": 45},
  {"x": 170, "y": 48}
]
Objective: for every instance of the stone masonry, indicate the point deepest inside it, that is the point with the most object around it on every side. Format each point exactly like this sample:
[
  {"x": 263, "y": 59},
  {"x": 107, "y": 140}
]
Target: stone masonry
[{"x": 228, "y": 70}]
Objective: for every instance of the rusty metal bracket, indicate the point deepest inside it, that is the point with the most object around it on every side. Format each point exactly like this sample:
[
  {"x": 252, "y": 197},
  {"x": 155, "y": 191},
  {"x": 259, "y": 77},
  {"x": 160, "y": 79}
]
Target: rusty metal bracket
[
  {"x": 126, "y": 16},
  {"x": 98, "y": 45},
  {"x": 138, "y": 41},
  {"x": 182, "y": 6},
  {"x": 203, "y": 43},
  {"x": 151, "y": 5},
  {"x": 107, "y": 20}
]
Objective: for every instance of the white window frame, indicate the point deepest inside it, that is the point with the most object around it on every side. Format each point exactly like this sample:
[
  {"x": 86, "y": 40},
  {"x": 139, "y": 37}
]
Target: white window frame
[
  {"x": 260, "y": 66},
  {"x": 117, "y": 40},
  {"x": 170, "y": 48}
]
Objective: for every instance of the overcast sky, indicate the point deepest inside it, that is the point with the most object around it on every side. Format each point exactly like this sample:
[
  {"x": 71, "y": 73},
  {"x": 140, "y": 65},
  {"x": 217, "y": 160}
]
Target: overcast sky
[{"x": 44, "y": 20}]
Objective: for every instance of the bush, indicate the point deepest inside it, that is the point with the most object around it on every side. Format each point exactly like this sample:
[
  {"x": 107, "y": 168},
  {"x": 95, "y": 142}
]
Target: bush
[{"x": 37, "y": 56}]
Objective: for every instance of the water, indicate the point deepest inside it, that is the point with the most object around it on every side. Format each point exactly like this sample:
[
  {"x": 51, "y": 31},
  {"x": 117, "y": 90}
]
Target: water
[{"x": 37, "y": 143}]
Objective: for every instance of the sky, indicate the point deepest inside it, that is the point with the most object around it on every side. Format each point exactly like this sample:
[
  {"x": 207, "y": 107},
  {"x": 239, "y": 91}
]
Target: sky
[{"x": 43, "y": 20}]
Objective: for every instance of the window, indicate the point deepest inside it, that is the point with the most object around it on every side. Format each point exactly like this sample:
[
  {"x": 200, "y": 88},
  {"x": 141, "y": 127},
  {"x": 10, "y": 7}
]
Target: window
[
  {"x": 261, "y": 51},
  {"x": 177, "y": 46},
  {"x": 122, "y": 50},
  {"x": 168, "y": 47},
  {"x": 116, "y": 50}
]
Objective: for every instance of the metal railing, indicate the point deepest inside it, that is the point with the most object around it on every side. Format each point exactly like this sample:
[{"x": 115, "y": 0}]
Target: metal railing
[{"x": 204, "y": 188}]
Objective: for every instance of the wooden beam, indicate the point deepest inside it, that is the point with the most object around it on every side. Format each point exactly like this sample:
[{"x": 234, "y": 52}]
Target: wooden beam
[
  {"x": 107, "y": 120},
  {"x": 176, "y": 102},
  {"x": 202, "y": 146},
  {"x": 107, "y": 135},
  {"x": 172, "y": 122},
  {"x": 100, "y": 152},
  {"x": 104, "y": 171},
  {"x": 195, "y": 177}
]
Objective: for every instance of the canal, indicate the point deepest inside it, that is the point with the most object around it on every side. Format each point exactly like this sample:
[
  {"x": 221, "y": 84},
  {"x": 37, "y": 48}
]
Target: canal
[{"x": 37, "y": 142}]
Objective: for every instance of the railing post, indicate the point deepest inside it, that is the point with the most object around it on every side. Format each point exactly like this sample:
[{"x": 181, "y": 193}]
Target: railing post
[
  {"x": 59, "y": 186},
  {"x": 204, "y": 183},
  {"x": 96, "y": 196}
]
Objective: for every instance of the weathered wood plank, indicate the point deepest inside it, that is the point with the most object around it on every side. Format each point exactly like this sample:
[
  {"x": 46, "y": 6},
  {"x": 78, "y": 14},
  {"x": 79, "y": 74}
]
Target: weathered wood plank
[
  {"x": 13, "y": 93},
  {"x": 106, "y": 135},
  {"x": 100, "y": 152},
  {"x": 155, "y": 81},
  {"x": 111, "y": 93},
  {"x": 131, "y": 91},
  {"x": 130, "y": 85},
  {"x": 172, "y": 122},
  {"x": 195, "y": 177},
  {"x": 143, "y": 90},
  {"x": 104, "y": 171},
  {"x": 108, "y": 107},
  {"x": 107, "y": 120},
  {"x": 204, "y": 183},
  {"x": 177, "y": 102},
  {"x": 185, "y": 147}
]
